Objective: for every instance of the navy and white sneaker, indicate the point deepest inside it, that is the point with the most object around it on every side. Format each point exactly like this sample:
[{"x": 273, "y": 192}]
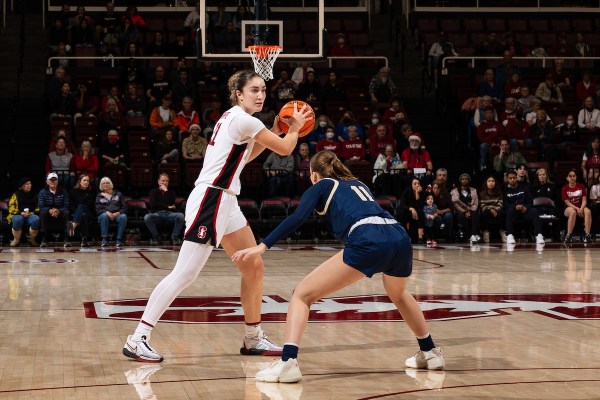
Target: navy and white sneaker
[
  {"x": 140, "y": 350},
  {"x": 260, "y": 346}
]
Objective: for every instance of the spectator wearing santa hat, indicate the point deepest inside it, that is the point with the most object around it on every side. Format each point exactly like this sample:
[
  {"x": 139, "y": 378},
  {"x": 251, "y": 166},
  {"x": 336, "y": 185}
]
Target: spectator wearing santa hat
[{"x": 417, "y": 161}]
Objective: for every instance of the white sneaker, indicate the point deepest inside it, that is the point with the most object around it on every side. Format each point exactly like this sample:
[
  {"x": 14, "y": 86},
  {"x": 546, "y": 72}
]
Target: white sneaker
[
  {"x": 486, "y": 236},
  {"x": 510, "y": 239},
  {"x": 432, "y": 359},
  {"x": 281, "y": 371},
  {"x": 539, "y": 239},
  {"x": 260, "y": 346},
  {"x": 140, "y": 350}
]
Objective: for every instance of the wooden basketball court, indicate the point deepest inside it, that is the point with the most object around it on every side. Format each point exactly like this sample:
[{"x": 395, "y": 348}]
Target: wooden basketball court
[{"x": 517, "y": 323}]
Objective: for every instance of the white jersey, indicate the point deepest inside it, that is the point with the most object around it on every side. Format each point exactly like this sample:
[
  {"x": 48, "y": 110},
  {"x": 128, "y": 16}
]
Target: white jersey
[{"x": 229, "y": 149}]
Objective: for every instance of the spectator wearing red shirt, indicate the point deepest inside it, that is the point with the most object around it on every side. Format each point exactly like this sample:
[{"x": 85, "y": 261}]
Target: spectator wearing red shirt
[
  {"x": 86, "y": 162},
  {"x": 512, "y": 88},
  {"x": 395, "y": 116},
  {"x": 371, "y": 128},
  {"x": 414, "y": 156},
  {"x": 574, "y": 196},
  {"x": 341, "y": 48},
  {"x": 489, "y": 134},
  {"x": 329, "y": 143},
  {"x": 517, "y": 133},
  {"x": 586, "y": 87},
  {"x": 187, "y": 116},
  {"x": 354, "y": 148},
  {"x": 510, "y": 111},
  {"x": 377, "y": 144}
]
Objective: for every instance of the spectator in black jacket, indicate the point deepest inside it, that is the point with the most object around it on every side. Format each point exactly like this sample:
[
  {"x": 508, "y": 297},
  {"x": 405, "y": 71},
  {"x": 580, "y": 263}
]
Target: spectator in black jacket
[
  {"x": 82, "y": 198},
  {"x": 54, "y": 208},
  {"x": 332, "y": 91},
  {"x": 518, "y": 203},
  {"x": 163, "y": 209}
]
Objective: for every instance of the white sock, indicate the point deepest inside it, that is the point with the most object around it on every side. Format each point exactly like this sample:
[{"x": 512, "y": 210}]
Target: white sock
[
  {"x": 143, "y": 329},
  {"x": 253, "y": 331}
]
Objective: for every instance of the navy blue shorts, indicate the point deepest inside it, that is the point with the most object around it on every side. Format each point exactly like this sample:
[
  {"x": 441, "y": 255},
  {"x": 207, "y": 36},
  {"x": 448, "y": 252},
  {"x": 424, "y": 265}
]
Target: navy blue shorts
[{"x": 373, "y": 248}]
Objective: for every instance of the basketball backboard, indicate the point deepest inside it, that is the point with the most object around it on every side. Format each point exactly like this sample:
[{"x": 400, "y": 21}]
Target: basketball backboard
[{"x": 306, "y": 42}]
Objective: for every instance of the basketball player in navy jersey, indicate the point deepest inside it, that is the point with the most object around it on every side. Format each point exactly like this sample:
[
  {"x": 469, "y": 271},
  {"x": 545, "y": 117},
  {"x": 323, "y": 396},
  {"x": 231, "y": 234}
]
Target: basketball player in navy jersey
[
  {"x": 213, "y": 216},
  {"x": 374, "y": 242}
]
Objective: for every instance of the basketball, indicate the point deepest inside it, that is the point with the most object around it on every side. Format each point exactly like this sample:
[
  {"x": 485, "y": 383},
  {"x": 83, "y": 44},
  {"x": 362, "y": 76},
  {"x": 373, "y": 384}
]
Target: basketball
[{"x": 288, "y": 110}]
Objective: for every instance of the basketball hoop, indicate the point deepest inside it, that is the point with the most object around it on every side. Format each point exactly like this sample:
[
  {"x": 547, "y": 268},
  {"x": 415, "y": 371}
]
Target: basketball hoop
[{"x": 264, "y": 58}]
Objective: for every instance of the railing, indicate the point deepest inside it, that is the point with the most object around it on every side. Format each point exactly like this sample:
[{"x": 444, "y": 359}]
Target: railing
[
  {"x": 542, "y": 60},
  {"x": 541, "y": 6},
  {"x": 330, "y": 60},
  {"x": 177, "y": 6}
]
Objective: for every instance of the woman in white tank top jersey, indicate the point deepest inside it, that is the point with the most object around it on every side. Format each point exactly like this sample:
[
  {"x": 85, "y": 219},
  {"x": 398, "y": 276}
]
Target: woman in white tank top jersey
[{"x": 213, "y": 216}]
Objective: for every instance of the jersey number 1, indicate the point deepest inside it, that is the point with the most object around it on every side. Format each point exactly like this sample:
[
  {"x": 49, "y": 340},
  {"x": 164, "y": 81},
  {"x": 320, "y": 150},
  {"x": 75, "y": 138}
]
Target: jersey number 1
[
  {"x": 362, "y": 193},
  {"x": 214, "y": 135}
]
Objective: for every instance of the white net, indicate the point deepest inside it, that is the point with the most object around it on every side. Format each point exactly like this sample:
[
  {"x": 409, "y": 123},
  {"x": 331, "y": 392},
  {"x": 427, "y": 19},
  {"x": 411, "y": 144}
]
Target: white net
[{"x": 264, "y": 58}]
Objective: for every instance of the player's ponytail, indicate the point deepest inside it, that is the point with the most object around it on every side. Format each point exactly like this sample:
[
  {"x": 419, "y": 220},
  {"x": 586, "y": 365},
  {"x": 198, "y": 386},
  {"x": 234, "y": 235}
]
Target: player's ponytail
[
  {"x": 237, "y": 81},
  {"x": 328, "y": 165}
]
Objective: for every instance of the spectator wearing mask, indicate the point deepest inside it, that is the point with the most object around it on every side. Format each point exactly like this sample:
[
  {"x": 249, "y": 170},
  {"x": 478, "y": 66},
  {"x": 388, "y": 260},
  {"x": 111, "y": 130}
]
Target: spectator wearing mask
[
  {"x": 340, "y": 48},
  {"x": 318, "y": 133},
  {"x": 329, "y": 142},
  {"x": 568, "y": 133}
]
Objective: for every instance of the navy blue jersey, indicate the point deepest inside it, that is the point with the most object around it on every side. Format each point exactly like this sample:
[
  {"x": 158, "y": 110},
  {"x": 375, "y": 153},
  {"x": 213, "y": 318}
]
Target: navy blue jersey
[{"x": 343, "y": 203}]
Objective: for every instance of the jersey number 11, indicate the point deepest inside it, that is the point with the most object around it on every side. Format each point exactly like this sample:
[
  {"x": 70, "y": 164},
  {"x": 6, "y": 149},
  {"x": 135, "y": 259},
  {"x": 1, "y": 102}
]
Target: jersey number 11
[{"x": 362, "y": 193}]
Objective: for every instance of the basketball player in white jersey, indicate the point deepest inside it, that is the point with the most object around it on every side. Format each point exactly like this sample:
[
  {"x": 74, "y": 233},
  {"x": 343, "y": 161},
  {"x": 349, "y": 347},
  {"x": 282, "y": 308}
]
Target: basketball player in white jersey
[{"x": 213, "y": 216}]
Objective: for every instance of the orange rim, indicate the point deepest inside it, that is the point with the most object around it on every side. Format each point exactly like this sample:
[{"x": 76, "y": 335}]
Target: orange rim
[{"x": 263, "y": 51}]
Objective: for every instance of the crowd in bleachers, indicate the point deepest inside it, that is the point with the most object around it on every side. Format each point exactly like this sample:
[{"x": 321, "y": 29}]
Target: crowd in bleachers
[
  {"x": 519, "y": 115},
  {"x": 154, "y": 120},
  {"x": 164, "y": 121}
]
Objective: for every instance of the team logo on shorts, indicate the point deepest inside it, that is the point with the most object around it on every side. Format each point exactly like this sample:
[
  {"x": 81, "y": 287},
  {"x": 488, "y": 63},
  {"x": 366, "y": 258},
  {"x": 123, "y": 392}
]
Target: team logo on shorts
[
  {"x": 202, "y": 232},
  {"x": 559, "y": 306}
]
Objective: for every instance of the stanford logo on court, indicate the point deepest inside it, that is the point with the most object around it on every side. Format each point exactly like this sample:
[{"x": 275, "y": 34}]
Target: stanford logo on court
[{"x": 359, "y": 308}]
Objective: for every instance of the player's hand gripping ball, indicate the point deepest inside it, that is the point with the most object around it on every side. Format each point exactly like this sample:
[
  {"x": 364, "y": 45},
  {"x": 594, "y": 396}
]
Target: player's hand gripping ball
[{"x": 288, "y": 110}]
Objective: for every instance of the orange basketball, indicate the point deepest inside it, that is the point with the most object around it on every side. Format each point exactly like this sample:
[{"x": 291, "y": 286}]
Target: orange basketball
[{"x": 288, "y": 110}]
